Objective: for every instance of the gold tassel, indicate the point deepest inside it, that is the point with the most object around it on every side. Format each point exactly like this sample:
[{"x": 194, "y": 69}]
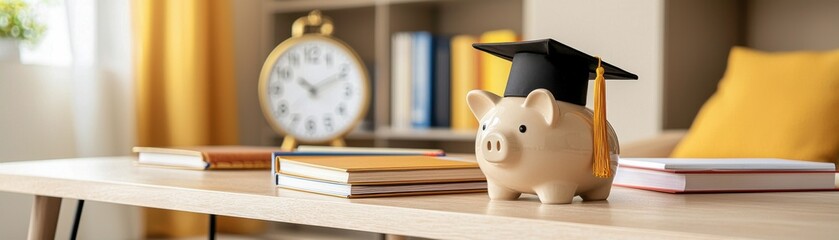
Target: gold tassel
[{"x": 601, "y": 167}]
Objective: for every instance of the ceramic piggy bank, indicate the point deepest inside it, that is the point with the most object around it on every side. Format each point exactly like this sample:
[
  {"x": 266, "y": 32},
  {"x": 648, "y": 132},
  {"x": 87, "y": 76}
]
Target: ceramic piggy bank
[{"x": 538, "y": 145}]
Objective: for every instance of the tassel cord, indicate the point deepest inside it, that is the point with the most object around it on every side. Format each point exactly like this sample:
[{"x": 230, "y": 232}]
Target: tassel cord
[{"x": 601, "y": 165}]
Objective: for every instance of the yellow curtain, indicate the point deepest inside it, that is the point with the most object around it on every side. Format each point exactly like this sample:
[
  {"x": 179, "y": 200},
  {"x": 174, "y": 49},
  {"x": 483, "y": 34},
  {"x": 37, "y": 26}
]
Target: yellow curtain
[{"x": 185, "y": 92}]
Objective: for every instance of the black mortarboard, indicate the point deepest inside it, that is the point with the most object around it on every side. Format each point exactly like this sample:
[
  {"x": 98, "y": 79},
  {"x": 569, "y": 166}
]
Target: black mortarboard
[{"x": 548, "y": 64}]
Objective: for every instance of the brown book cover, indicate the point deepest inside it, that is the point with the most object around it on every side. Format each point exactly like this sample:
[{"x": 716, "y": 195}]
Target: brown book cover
[{"x": 207, "y": 157}]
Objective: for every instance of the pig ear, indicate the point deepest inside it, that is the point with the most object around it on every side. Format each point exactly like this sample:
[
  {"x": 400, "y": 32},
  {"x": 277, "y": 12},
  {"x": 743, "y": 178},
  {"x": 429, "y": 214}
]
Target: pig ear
[
  {"x": 480, "y": 102},
  {"x": 543, "y": 102}
]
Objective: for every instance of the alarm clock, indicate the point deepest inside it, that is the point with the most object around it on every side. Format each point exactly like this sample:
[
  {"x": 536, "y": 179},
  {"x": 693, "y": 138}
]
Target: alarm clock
[{"x": 313, "y": 88}]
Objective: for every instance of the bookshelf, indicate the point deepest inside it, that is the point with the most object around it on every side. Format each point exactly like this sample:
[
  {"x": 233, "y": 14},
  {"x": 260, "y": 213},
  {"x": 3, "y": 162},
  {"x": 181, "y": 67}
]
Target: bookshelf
[{"x": 367, "y": 26}]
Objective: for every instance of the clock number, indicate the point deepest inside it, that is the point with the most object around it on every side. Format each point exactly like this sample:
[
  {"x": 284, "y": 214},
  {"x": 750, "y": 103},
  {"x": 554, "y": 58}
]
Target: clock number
[
  {"x": 328, "y": 58},
  {"x": 293, "y": 59},
  {"x": 276, "y": 89},
  {"x": 342, "y": 109},
  {"x": 282, "y": 109},
  {"x": 327, "y": 123},
  {"x": 283, "y": 73},
  {"x": 345, "y": 69},
  {"x": 295, "y": 119},
  {"x": 312, "y": 54},
  {"x": 310, "y": 126},
  {"x": 348, "y": 90}
]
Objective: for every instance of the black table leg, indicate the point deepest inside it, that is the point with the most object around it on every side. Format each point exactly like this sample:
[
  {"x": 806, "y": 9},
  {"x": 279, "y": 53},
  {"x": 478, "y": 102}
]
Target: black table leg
[
  {"x": 212, "y": 233},
  {"x": 77, "y": 220}
]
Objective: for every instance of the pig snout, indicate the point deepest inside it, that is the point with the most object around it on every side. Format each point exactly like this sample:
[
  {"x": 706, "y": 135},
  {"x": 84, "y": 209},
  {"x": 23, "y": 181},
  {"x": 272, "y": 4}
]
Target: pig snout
[{"x": 494, "y": 147}]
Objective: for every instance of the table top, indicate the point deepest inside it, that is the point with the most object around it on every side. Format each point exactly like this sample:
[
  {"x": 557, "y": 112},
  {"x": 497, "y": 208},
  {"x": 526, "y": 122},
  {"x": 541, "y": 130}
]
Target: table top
[{"x": 628, "y": 213}]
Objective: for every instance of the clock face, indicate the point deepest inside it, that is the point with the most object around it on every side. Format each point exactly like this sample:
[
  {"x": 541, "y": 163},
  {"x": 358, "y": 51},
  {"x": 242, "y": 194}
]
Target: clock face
[{"x": 316, "y": 90}]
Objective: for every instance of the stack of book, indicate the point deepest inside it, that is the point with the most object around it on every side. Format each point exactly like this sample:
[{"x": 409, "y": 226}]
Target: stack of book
[
  {"x": 350, "y": 172},
  {"x": 673, "y": 175},
  {"x": 432, "y": 74},
  {"x": 377, "y": 175}
]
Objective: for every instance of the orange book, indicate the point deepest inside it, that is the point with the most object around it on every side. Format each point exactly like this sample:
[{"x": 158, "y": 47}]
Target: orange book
[
  {"x": 207, "y": 157},
  {"x": 464, "y": 77},
  {"x": 495, "y": 70},
  {"x": 380, "y": 169}
]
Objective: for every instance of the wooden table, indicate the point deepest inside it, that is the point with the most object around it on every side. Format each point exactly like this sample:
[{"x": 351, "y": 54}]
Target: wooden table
[{"x": 628, "y": 213}]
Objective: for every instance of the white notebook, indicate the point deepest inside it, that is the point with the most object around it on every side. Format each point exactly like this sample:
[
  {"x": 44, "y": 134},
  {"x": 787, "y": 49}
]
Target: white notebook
[
  {"x": 680, "y": 175},
  {"x": 726, "y": 164}
]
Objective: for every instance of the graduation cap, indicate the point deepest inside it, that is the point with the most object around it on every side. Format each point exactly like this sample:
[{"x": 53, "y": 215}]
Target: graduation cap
[
  {"x": 564, "y": 71},
  {"x": 548, "y": 64}
]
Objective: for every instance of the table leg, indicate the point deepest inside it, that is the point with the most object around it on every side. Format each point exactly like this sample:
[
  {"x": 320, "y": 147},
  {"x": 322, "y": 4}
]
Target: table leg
[
  {"x": 212, "y": 234},
  {"x": 395, "y": 237},
  {"x": 44, "y": 217}
]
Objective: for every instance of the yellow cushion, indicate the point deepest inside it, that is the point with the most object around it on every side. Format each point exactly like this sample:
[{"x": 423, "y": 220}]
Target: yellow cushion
[{"x": 776, "y": 105}]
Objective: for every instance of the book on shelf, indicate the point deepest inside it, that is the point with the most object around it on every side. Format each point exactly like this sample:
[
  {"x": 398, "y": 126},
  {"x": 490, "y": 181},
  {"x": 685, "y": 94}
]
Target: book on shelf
[
  {"x": 400, "y": 107},
  {"x": 422, "y": 79},
  {"x": 495, "y": 70},
  {"x": 362, "y": 190},
  {"x": 380, "y": 169},
  {"x": 432, "y": 74},
  {"x": 464, "y": 78},
  {"x": 206, "y": 157},
  {"x": 442, "y": 82},
  {"x": 681, "y": 175}
]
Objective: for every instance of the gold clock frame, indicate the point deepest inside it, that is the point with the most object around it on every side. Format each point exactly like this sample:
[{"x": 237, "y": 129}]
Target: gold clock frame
[{"x": 314, "y": 19}]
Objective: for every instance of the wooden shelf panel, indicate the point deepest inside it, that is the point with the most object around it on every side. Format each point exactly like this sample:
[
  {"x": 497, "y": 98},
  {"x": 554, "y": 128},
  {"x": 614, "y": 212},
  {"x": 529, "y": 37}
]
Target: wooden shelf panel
[
  {"x": 434, "y": 134},
  {"x": 274, "y": 6},
  {"x": 425, "y": 134},
  {"x": 277, "y": 6},
  {"x": 385, "y": 133}
]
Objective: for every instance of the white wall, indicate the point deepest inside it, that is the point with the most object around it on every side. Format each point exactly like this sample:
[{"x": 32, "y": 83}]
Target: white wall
[
  {"x": 628, "y": 34},
  {"x": 61, "y": 112},
  {"x": 35, "y": 123},
  {"x": 38, "y": 120}
]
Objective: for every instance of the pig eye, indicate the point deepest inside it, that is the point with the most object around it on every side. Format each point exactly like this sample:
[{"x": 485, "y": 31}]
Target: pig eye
[
  {"x": 522, "y": 128},
  {"x": 484, "y": 127}
]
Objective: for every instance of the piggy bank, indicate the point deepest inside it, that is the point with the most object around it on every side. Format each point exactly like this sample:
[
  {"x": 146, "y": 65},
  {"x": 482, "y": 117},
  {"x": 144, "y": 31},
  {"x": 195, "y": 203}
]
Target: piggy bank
[{"x": 538, "y": 145}]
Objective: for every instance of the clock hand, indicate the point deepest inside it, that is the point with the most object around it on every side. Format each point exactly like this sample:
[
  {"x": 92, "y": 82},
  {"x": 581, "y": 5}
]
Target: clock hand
[
  {"x": 305, "y": 84},
  {"x": 329, "y": 80}
]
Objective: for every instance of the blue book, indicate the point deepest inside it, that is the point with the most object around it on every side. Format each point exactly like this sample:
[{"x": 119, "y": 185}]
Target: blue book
[
  {"x": 421, "y": 79},
  {"x": 442, "y": 82}
]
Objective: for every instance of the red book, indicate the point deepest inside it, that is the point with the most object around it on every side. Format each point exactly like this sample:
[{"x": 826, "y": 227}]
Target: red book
[{"x": 673, "y": 175}]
